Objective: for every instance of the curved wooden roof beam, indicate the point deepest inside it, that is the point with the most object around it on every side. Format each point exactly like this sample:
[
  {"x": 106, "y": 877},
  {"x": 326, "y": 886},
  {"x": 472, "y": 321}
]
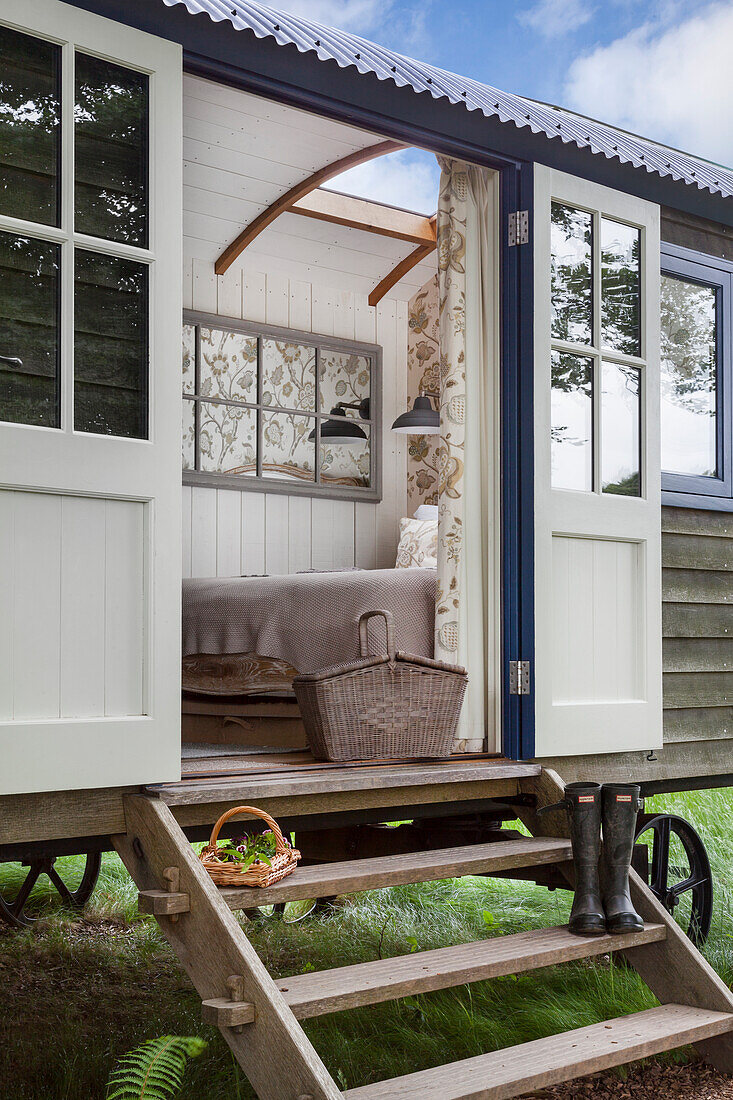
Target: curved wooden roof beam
[
  {"x": 299, "y": 191},
  {"x": 401, "y": 269}
]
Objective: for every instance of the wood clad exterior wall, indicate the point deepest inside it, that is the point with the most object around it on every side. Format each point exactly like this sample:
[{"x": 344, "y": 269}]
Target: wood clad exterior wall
[
  {"x": 697, "y": 579},
  {"x": 697, "y": 594}
]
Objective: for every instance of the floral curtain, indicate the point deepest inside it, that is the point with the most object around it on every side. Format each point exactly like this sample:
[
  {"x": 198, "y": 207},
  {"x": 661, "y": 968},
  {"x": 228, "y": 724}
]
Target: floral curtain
[{"x": 466, "y": 603}]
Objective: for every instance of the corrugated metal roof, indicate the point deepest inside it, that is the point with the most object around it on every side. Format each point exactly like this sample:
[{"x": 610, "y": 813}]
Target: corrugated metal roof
[{"x": 350, "y": 50}]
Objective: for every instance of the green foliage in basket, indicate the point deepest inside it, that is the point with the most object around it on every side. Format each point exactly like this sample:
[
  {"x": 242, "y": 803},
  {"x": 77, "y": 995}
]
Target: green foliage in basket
[
  {"x": 248, "y": 849},
  {"x": 154, "y": 1070}
]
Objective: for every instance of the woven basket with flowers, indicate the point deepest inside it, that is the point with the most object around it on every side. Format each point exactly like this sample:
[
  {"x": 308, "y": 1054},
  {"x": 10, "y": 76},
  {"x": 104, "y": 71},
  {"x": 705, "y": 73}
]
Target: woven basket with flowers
[{"x": 258, "y": 859}]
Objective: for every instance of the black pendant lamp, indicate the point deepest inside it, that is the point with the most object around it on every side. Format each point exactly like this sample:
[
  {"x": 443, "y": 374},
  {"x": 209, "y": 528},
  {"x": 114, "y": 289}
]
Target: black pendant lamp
[
  {"x": 421, "y": 419},
  {"x": 339, "y": 429}
]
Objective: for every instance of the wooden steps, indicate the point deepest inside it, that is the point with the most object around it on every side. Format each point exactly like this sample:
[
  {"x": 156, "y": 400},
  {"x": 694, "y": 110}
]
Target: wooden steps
[
  {"x": 521, "y": 1069},
  {"x": 258, "y": 1016},
  {"x": 327, "y": 879},
  {"x": 325, "y": 991}
]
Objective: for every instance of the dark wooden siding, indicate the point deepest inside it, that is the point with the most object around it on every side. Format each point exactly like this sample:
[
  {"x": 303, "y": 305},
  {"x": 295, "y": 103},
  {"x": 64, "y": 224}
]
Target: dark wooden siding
[
  {"x": 697, "y": 594},
  {"x": 690, "y": 231}
]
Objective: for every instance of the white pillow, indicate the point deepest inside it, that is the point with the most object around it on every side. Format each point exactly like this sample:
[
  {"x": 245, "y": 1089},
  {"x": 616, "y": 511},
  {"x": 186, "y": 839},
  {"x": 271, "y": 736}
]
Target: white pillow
[
  {"x": 427, "y": 511},
  {"x": 418, "y": 544}
]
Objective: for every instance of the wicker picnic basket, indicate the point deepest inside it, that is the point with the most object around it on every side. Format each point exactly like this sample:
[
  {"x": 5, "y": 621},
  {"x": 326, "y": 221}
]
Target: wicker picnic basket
[
  {"x": 259, "y": 873},
  {"x": 398, "y": 706}
]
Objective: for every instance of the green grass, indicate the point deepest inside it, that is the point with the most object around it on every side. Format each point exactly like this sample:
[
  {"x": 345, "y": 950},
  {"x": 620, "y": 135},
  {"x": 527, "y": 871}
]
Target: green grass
[{"x": 77, "y": 992}]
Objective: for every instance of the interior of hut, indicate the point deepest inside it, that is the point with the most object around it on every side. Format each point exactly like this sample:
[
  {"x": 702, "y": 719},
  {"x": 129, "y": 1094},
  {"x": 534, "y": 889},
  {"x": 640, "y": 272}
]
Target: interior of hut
[{"x": 326, "y": 338}]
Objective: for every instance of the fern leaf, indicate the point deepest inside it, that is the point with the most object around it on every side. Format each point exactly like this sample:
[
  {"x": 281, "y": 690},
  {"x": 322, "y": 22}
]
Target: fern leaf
[{"x": 154, "y": 1070}]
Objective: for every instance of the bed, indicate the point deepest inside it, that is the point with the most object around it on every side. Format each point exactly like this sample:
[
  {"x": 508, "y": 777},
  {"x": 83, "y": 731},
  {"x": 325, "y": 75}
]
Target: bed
[{"x": 277, "y": 625}]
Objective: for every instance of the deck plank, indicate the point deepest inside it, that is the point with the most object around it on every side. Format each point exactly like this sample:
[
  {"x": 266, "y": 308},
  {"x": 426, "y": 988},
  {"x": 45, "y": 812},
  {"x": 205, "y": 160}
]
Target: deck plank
[
  {"x": 351, "y": 876},
  {"x": 314, "y": 994},
  {"x": 544, "y": 1062}
]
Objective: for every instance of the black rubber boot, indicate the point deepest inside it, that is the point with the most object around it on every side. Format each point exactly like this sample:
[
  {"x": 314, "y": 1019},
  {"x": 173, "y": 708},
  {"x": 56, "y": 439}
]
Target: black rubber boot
[
  {"x": 621, "y": 804},
  {"x": 583, "y": 804}
]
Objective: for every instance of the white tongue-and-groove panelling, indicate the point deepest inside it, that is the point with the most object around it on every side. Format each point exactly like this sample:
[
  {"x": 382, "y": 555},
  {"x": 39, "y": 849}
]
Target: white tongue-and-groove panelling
[
  {"x": 240, "y": 153},
  {"x": 229, "y": 533}
]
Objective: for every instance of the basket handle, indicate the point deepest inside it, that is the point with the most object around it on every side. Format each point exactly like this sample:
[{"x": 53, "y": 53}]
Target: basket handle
[
  {"x": 389, "y": 626},
  {"x": 280, "y": 845}
]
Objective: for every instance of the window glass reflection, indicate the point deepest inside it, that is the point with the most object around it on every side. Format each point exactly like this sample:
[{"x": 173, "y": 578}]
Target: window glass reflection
[
  {"x": 572, "y": 282},
  {"x": 111, "y": 151},
  {"x": 620, "y": 424},
  {"x": 29, "y": 338},
  {"x": 30, "y": 127},
  {"x": 688, "y": 374},
  {"x": 110, "y": 345},
  {"x": 620, "y": 287},
  {"x": 572, "y": 422}
]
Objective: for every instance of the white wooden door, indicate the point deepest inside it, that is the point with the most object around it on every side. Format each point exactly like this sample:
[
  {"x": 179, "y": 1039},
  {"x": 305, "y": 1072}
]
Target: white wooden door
[
  {"x": 598, "y": 651},
  {"x": 90, "y": 327}
]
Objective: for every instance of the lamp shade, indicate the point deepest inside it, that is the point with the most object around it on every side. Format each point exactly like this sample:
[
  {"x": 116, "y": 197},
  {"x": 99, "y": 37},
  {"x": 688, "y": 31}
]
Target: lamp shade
[
  {"x": 339, "y": 429},
  {"x": 421, "y": 419}
]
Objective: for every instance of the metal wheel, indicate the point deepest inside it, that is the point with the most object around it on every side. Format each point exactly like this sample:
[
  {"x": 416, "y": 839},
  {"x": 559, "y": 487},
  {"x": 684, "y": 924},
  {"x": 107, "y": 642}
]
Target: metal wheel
[
  {"x": 678, "y": 873},
  {"x": 72, "y": 883}
]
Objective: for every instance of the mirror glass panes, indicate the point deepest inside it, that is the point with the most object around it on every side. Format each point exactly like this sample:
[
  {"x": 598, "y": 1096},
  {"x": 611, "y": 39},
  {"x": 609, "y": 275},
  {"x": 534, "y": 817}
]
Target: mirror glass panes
[
  {"x": 29, "y": 339},
  {"x": 288, "y": 375},
  {"x": 228, "y": 366},
  {"x": 343, "y": 377},
  {"x": 286, "y": 450},
  {"x": 260, "y": 406},
  {"x": 572, "y": 421},
  {"x": 347, "y": 464},
  {"x": 227, "y": 439},
  {"x": 188, "y": 434},
  {"x": 689, "y": 349},
  {"x": 572, "y": 284},
  {"x": 620, "y": 287},
  {"x": 189, "y": 359},
  {"x": 110, "y": 345},
  {"x": 620, "y": 424},
  {"x": 111, "y": 151},
  {"x": 30, "y": 127}
]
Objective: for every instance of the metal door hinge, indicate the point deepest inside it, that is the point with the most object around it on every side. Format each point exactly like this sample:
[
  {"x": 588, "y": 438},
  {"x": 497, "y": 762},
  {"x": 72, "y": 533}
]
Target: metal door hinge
[
  {"x": 519, "y": 678},
  {"x": 519, "y": 227}
]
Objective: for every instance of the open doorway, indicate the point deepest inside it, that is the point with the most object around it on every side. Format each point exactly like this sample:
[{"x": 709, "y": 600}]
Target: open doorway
[{"x": 309, "y": 495}]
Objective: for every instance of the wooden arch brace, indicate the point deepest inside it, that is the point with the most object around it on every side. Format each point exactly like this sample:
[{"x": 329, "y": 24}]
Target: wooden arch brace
[
  {"x": 401, "y": 269},
  {"x": 299, "y": 191}
]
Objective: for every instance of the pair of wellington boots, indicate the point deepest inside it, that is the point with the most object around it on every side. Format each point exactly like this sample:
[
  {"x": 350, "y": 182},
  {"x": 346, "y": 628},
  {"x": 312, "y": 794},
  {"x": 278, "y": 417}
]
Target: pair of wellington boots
[{"x": 602, "y": 900}]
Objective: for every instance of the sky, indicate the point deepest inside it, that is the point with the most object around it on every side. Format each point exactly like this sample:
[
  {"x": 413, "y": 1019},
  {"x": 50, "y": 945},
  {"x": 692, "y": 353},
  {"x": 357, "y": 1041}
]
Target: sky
[{"x": 662, "y": 68}]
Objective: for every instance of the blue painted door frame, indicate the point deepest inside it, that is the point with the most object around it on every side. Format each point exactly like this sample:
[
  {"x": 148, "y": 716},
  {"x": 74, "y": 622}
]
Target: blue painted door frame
[{"x": 517, "y": 415}]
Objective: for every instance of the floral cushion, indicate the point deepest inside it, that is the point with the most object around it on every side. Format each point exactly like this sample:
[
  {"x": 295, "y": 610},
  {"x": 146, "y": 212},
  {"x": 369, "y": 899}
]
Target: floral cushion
[{"x": 418, "y": 544}]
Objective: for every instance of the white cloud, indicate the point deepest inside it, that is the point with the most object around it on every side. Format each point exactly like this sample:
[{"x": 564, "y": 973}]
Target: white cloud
[
  {"x": 554, "y": 18},
  {"x": 358, "y": 16},
  {"x": 670, "y": 83},
  {"x": 408, "y": 179}
]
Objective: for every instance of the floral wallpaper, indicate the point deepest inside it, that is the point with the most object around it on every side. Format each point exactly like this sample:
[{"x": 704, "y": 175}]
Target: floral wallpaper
[
  {"x": 423, "y": 373},
  {"x": 288, "y": 375},
  {"x": 452, "y": 313}
]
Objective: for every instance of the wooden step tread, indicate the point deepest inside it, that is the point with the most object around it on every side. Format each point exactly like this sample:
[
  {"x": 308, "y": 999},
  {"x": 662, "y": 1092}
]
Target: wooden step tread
[
  {"x": 264, "y": 781},
  {"x": 326, "y": 879},
  {"x": 425, "y": 971},
  {"x": 544, "y": 1062}
]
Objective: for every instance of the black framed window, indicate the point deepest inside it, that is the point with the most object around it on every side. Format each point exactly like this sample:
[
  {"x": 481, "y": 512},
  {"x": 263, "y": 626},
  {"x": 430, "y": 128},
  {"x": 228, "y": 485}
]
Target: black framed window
[
  {"x": 278, "y": 409},
  {"x": 696, "y": 367}
]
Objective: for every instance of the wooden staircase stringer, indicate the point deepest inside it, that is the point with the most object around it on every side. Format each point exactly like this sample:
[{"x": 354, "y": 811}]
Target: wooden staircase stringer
[
  {"x": 274, "y": 1051},
  {"x": 672, "y": 968}
]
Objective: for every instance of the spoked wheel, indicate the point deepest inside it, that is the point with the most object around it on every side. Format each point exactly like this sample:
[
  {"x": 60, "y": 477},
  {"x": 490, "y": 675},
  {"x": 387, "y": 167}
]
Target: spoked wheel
[
  {"x": 72, "y": 881},
  {"x": 678, "y": 872}
]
